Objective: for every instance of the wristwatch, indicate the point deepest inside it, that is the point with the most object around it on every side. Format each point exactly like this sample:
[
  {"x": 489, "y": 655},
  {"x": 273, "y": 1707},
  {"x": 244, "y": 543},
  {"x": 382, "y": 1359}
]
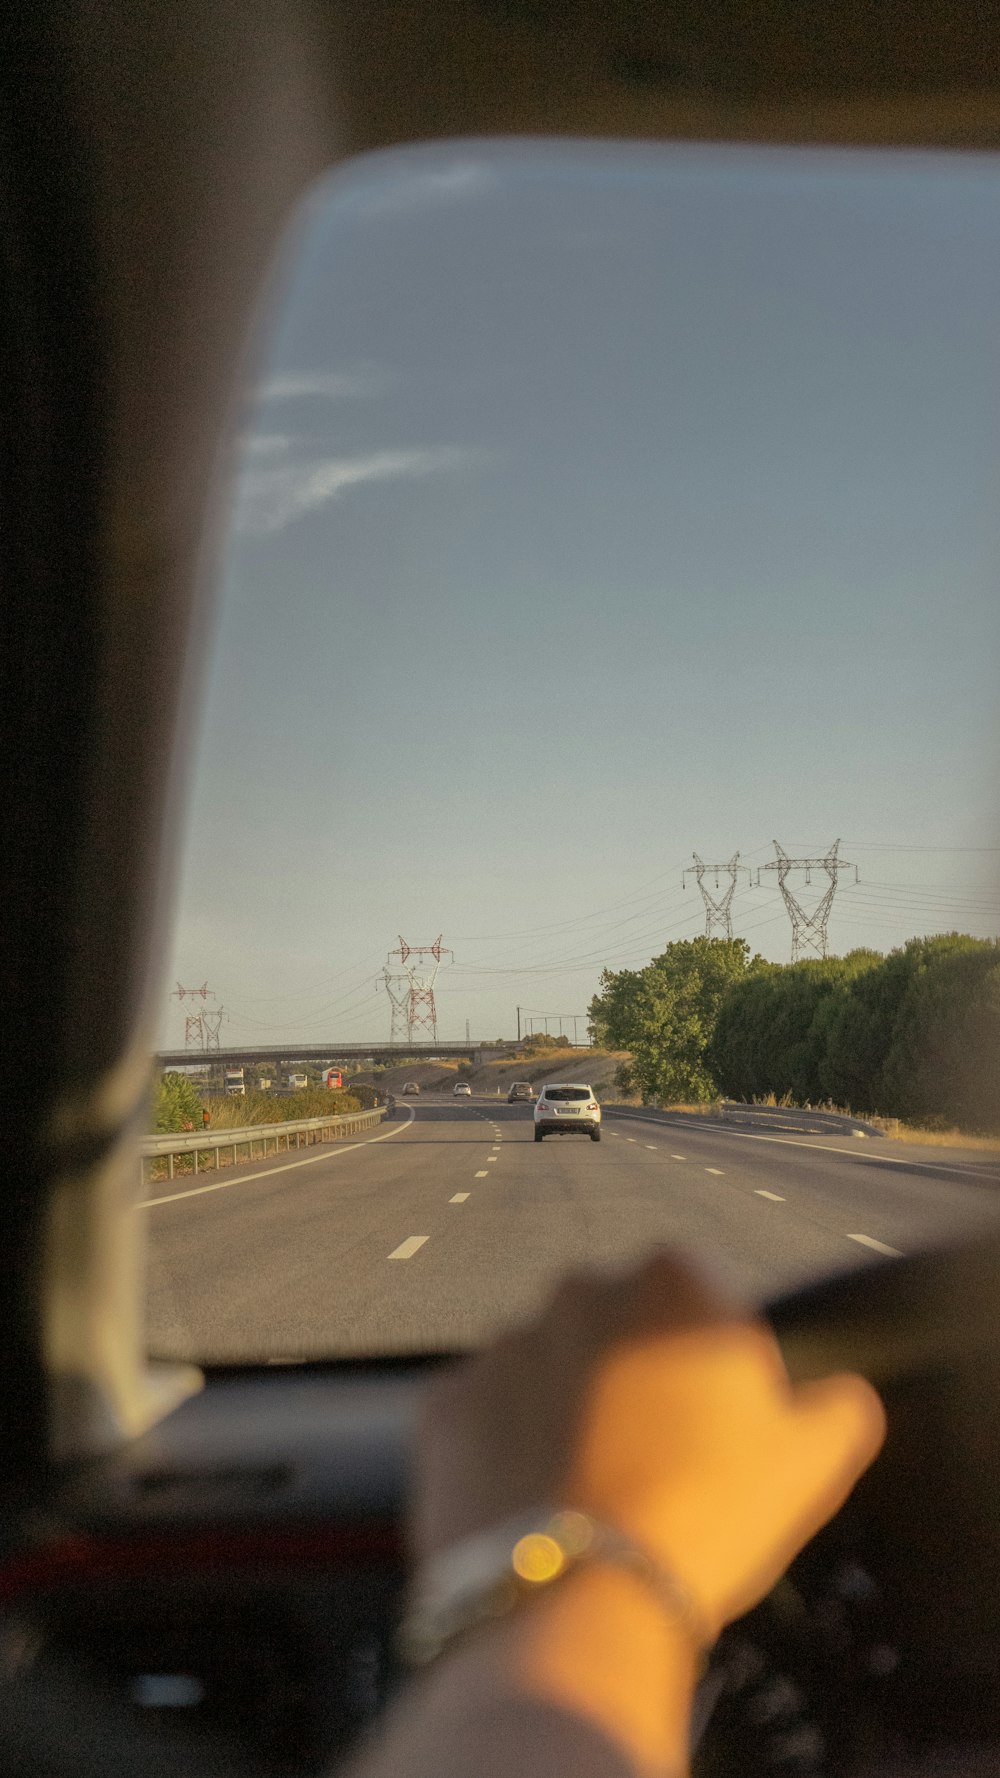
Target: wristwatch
[{"x": 491, "y": 1573}]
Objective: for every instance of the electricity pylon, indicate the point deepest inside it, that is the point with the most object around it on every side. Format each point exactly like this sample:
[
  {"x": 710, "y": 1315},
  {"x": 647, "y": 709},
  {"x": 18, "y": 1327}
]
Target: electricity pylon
[
  {"x": 195, "y": 1036},
  {"x": 398, "y": 989},
  {"x": 808, "y": 930},
  {"x": 718, "y": 916},
  {"x": 421, "y": 1010},
  {"x": 211, "y": 1022}
]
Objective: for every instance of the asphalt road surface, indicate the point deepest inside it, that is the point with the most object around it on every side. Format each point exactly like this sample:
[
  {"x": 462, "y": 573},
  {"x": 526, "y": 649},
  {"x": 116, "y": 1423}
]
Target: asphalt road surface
[{"x": 450, "y": 1220}]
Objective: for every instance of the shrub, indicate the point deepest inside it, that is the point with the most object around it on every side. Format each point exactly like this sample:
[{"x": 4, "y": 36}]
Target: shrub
[{"x": 176, "y": 1105}]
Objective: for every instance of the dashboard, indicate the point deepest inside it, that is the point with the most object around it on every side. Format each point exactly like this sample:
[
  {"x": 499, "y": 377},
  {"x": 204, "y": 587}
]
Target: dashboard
[{"x": 230, "y": 1583}]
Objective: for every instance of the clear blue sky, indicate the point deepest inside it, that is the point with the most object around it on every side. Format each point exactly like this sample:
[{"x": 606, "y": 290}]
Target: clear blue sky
[{"x": 596, "y": 506}]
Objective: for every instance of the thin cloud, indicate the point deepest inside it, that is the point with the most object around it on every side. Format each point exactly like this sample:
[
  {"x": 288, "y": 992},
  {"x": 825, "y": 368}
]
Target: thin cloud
[
  {"x": 418, "y": 190},
  {"x": 266, "y": 444},
  {"x": 270, "y": 499},
  {"x": 335, "y": 385}
]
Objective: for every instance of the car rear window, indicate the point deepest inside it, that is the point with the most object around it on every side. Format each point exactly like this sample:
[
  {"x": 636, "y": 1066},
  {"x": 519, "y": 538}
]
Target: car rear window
[{"x": 564, "y": 1093}]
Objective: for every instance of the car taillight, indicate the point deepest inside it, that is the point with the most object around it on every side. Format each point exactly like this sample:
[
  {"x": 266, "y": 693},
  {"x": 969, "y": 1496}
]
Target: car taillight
[{"x": 593, "y": 1106}]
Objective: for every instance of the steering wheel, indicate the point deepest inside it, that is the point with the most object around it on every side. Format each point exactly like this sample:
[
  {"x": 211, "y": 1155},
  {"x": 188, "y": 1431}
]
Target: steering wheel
[{"x": 918, "y": 1542}]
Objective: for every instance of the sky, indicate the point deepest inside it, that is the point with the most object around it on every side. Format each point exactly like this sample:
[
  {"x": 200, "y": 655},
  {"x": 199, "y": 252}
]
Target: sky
[{"x": 591, "y": 507}]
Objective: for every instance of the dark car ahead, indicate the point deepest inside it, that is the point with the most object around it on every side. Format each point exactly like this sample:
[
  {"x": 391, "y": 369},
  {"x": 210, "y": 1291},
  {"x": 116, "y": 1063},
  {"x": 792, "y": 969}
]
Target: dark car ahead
[{"x": 520, "y": 1089}]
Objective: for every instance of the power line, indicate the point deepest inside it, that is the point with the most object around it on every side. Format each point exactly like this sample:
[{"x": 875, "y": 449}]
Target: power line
[
  {"x": 654, "y": 890},
  {"x": 874, "y": 846},
  {"x": 299, "y": 993}
]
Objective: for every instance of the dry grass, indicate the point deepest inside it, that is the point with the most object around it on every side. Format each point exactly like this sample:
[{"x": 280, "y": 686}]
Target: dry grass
[
  {"x": 900, "y": 1132},
  {"x": 896, "y": 1129},
  {"x": 272, "y": 1108}
]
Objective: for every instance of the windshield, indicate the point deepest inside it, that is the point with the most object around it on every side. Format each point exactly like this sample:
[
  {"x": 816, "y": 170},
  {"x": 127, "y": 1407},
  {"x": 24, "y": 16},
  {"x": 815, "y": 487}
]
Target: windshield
[{"x": 663, "y": 482}]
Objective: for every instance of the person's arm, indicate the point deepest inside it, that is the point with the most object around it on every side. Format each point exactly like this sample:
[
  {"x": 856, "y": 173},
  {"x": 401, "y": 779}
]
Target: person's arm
[{"x": 654, "y": 1404}]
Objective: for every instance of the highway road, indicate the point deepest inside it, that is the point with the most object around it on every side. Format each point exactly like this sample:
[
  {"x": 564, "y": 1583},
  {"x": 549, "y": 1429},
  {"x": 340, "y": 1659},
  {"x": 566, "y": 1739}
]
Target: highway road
[{"x": 450, "y": 1220}]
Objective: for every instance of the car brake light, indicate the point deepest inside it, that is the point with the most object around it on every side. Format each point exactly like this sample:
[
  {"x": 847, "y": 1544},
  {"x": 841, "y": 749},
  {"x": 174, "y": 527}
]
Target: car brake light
[{"x": 593, "y": 1106}]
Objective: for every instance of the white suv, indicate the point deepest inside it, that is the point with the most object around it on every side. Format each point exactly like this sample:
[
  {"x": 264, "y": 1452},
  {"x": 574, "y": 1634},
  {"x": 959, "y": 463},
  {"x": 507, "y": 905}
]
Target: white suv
[{"x": 564, "y": 1106}]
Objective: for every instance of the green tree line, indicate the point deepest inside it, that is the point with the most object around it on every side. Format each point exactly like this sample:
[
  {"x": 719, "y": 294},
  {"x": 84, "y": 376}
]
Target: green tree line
[{"x": 914, "y": 1035}]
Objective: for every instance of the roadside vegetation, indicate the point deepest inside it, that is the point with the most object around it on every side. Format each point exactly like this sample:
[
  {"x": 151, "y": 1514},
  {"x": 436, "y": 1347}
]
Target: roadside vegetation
[
  {"x": 914, "y": 1035},
  {"x": 274, "y": 1108},
  {"x": 178, "y": 1107}
]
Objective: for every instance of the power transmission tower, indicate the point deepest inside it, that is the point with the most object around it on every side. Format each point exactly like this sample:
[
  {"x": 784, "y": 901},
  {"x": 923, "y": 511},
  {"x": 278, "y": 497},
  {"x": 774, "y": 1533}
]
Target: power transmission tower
[
  {"x": 195, "y": 1037},
  {"x": 808, "y": 930},
  {"x": 211, "y": 1023},
  {"x": 421, "y": 974},
  {"x": 398, "y": 989},
  {"x": 718, "y": 917}
]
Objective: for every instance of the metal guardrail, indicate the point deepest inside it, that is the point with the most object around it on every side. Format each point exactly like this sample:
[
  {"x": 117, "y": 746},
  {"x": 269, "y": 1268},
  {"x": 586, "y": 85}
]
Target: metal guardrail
[
  {"x": 794, "y": 1118},
  {"x": 251, "y": 1137}
]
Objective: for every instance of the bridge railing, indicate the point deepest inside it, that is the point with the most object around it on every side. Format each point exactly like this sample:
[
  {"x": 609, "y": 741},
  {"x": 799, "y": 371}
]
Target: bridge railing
[{"x": 251, "y": 1141}]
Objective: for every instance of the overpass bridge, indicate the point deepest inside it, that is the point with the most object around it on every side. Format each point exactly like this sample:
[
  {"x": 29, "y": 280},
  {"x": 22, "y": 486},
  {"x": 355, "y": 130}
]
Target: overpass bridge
[{"x": 319, "y": 1053}]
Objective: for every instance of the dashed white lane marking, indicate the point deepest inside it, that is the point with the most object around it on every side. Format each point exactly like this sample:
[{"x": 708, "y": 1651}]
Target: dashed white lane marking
[
  {"x": 408, "y": 1248},
  {"x": 652, "y": 1145},
  {"x": 772, "y": 1195},
  {"x": 630, "y": 1138},
  {"x": 459, "y": 1198},
  {"x": 196, "y": 1191},
  {"x": 719, "y": 1174},
  {"x": 678, "y": 1157},
  {"x": 482, "y": 1175},
  {"x": 492, "y": 1157},
  {"x": 877, "y": 1246}
]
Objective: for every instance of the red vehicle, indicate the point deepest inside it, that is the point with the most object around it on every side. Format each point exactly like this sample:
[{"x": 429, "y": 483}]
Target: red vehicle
[{"x": 334, "y": 1078}]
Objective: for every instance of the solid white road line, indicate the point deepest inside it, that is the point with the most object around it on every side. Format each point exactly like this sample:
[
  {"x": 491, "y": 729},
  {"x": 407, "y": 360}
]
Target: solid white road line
[
  {"x": 772, "y": 1195},
  {"x": 877, "y": 1246},
  {"x": 717, "y": 1171},
  {"x": 408, "y": 1248},
  {"x": 289, "y": 1166},
  {"x": 459, "y": 1198},
  {"x": 482, "y": 1175},
  {"x": 870, "y": 1155}
]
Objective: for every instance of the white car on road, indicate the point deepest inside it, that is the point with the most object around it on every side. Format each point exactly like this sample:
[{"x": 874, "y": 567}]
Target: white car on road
[
  {"x": 462, "y": 1087},
  {"x": 563, "y": 1106}
]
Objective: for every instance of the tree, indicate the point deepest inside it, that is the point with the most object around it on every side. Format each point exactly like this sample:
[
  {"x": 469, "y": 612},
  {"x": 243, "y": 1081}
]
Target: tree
[
  {"x": 665, "y": 1014},
  {"x": 943, "y": 1063},
  {"x": 862, "y": 1028},
  {"x": 772, "y": 1032}
]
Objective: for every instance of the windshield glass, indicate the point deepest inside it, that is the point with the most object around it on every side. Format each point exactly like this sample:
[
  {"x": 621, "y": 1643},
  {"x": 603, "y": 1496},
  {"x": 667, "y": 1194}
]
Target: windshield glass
[{"x": 604, "y": 682}]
